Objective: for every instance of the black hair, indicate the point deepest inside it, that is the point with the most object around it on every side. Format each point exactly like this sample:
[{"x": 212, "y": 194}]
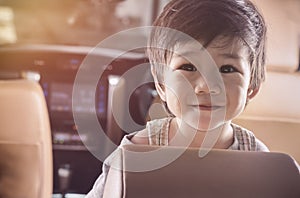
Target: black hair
[{"x": 206, "y": 20}]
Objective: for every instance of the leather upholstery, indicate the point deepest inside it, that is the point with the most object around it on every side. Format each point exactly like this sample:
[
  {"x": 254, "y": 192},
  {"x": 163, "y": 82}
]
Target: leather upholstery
[
  {"x": 274, "y": 114},
  {"x": 25, "y": 141}
]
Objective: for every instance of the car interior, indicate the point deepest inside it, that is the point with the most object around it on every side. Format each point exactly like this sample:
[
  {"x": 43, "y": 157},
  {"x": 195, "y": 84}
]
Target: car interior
[{"x": 67, "y": 61}]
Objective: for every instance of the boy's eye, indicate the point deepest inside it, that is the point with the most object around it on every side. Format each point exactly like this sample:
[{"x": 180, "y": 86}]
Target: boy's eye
[
  {"x": 188, "y": 67},
  {"x": 227, "y": 69}
]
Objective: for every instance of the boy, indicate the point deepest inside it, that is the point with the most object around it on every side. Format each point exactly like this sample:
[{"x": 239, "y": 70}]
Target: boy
[{"x": 207, "y": 59}]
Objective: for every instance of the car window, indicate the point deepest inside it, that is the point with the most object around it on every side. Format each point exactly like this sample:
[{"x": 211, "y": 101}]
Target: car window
[{"x": 70, "y": 22}]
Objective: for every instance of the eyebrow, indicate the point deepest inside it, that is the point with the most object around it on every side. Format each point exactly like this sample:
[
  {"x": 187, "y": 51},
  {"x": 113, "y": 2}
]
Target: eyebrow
[
  {"x": 186, "y": 53},
  {"x": 226, "y": 55},
  {"x": 232, "y": 56}
]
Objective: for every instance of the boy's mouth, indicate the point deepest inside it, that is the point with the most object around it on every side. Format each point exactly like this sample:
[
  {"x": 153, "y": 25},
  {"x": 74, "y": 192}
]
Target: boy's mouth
[{"x": 207, "y": 107}]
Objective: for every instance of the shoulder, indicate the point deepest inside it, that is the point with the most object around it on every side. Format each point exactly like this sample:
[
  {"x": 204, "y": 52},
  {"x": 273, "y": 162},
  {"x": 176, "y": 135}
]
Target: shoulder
[
  {"x": 141, "y": 137},
  {"x": 247, "y": 140},
  {"x": 261, "y": 146}
]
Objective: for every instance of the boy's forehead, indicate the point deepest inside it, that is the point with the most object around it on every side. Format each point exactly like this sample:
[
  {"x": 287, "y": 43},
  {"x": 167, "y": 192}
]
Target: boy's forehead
[{"x": 231, "y": 48}]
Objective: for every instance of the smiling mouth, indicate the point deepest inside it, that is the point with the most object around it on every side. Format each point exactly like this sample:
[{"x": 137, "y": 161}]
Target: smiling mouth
[{"x": 207, "y": 107}]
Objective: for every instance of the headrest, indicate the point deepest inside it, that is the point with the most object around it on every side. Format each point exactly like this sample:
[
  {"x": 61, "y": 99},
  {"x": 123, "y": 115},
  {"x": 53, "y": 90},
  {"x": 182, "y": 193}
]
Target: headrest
[
  {"x": 23, "y": 102},
  {"x": 278, "y": 99}
]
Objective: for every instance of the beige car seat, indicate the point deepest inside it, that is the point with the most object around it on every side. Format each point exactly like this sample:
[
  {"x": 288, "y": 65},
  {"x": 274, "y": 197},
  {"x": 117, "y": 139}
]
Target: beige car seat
[
  {"x": 274, "y": 114},
  {"x": 25, "y": 141}
]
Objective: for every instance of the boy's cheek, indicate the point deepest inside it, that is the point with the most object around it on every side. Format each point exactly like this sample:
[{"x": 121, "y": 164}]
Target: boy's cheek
[
  {"x": 178, "y": 81},
  {"x": 181, "y": 91},
  {"x": 236, "y": 80}
]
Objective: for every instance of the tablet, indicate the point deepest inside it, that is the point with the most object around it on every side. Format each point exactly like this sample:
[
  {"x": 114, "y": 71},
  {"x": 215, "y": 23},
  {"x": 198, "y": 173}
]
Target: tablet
[{"x": 150, "y": 171}]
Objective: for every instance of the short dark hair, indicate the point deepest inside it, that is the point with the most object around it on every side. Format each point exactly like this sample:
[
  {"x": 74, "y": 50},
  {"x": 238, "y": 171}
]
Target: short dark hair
[{"x": 205, "y": 20}]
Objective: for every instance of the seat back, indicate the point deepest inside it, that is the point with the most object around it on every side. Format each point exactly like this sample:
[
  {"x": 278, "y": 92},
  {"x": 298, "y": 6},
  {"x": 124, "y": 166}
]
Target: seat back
[
  {"x": 25, "y": 141},
  {"x": 274, "y": 114}
]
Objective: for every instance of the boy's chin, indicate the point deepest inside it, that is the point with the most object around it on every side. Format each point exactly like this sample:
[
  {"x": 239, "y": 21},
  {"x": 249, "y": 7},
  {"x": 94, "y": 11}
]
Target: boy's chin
[
  {"x": 206, "y": 121},
  {"x": 205, "y": 126}
]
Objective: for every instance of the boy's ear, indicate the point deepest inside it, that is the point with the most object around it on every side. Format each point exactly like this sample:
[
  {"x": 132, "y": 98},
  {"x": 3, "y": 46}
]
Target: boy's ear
[
  {"x": 252, "y": 92},
  {"x": 160, "y": 90}
]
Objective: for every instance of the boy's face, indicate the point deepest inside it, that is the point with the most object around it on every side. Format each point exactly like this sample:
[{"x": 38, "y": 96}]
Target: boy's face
[{"x": 207, "y": 88}]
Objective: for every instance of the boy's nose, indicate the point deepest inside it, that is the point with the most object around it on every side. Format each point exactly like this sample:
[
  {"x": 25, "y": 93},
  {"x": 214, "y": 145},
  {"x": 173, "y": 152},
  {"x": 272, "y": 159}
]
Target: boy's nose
[{"x": 201, "y": 87}]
